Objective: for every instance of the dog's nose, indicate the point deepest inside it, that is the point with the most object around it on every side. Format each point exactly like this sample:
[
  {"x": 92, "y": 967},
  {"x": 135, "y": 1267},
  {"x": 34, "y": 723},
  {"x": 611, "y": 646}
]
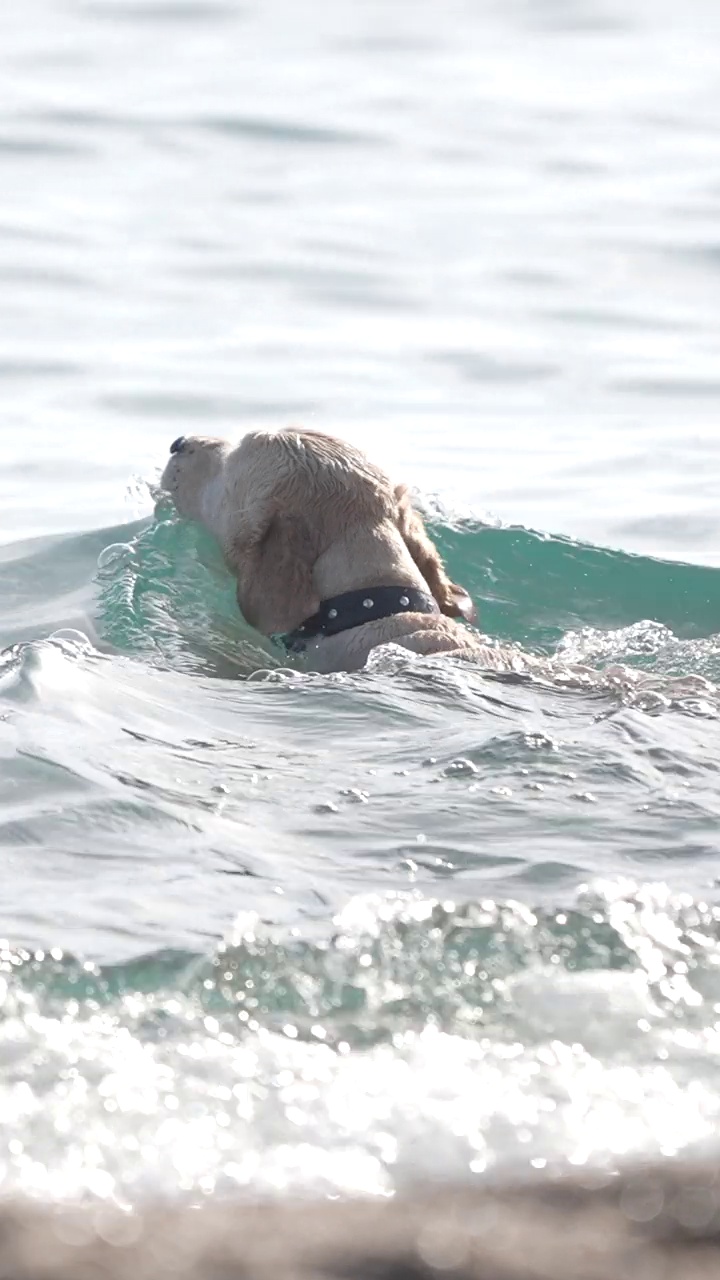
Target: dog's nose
[{"x": 178, "y": 445}]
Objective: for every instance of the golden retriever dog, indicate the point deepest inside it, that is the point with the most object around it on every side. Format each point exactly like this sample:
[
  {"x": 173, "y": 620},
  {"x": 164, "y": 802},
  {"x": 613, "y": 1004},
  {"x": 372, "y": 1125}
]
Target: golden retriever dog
[{"x": 329, "y": 555}]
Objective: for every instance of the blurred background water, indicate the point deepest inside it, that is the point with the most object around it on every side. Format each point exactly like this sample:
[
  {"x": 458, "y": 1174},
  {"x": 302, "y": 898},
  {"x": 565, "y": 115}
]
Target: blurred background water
[{"x": 335, "y": 933}]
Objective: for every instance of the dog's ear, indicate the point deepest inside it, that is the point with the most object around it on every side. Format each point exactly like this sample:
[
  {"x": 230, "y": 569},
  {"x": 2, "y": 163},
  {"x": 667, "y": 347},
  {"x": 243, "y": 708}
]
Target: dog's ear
[
  {"x": 275, "y": 588},
  {"x": 452, "y": 599}
]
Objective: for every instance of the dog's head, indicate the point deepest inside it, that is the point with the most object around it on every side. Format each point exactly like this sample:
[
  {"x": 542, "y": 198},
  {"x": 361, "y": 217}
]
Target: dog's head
[
  {"x": 195, "y": 464},
  {"x": 278, "y": 500}
]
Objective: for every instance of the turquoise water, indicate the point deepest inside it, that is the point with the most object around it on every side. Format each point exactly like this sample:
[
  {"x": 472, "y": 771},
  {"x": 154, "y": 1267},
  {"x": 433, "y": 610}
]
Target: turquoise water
[{"x": 268, "y": 930}]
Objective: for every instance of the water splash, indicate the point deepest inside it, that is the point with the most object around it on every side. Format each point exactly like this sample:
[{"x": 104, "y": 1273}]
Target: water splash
[{"x": 412, "y": 1036}]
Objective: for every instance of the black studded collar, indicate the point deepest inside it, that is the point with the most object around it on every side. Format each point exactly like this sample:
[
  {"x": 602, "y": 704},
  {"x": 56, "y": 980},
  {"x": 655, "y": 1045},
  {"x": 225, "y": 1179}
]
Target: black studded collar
[{"x": 353, "y": 608}]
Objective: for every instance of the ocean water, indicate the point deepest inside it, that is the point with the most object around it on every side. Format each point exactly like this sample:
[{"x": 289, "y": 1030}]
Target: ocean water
[{"x": 269, "y": 931}]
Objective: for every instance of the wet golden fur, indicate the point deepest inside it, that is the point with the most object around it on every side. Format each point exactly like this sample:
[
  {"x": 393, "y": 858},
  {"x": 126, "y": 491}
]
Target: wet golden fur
[{"x": 302, "y": 516}]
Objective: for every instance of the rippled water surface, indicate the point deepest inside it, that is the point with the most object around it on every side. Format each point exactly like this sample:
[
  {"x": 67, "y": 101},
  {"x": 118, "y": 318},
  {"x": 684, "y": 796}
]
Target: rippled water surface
[{"x": 267, "y": 930}]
